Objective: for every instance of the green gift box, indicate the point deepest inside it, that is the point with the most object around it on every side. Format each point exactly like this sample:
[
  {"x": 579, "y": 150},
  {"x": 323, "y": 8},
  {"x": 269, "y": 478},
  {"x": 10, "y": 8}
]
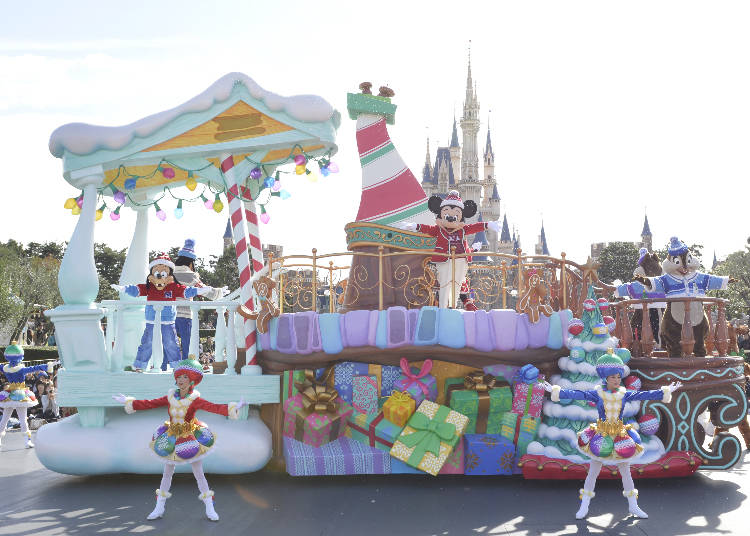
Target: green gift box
[
  {"x": 373, "y": 430},
  {"x": 519, "y": 429},
  {"x": 482, "y": 398}
]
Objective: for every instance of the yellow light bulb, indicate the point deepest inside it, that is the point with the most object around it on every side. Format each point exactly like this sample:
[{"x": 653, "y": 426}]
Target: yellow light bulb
[
  {"x": 312, "y": 177},
  {"x": 191, "y": 183},
  {"x": 99, "y": 214},
  {"x": 299, "y": 170},
  {"x": 76, "y": 210},
  {"x": 218, "y": 206},
  {"x": 70, "y": 203}
]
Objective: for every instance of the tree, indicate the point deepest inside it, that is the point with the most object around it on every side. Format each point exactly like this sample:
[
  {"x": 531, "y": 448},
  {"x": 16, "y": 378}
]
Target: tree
[
  {"x": 736, "y": 265},
  {"x": 10, "y": 303},
  {"x": 222, "y": 271},
  {"x": 109, "y": 263},
  {"x": 617, "y": 261},
  {"x": 34, "y": 282}
]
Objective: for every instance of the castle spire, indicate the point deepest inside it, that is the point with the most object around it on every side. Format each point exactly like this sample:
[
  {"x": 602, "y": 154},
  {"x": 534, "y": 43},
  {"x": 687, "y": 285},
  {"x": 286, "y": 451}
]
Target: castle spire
[
  {"x": 427, "y": 170},
  {"x": 454, "y": 135},
  {"x": 505, "y": 233},
  {"x": 488, "y": 145}
]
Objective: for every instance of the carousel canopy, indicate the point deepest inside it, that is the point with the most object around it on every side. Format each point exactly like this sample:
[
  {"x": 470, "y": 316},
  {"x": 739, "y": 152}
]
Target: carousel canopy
[{"x": 235, "y": 115}]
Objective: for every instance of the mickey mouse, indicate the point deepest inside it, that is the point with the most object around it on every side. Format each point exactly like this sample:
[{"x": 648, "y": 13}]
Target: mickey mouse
[
  {"x": 160, "y": 286},
  {"x": 451, "y": 230}
]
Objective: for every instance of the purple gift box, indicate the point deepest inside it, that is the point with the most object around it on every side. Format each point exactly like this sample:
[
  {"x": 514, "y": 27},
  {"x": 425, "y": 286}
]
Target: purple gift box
[
  {"x": 419, "y": 384},
  {"x": 345, "y": 456}
]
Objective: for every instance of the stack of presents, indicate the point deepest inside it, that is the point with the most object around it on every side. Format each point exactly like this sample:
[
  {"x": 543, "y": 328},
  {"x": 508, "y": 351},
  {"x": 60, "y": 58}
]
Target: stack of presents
[{"x": 356, "y": 418}]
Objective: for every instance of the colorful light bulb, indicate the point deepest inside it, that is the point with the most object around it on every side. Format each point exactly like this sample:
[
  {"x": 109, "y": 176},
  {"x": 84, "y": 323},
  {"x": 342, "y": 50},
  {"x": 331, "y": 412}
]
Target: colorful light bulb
[
  {"x": 129, "y": 184},
  {"x": 114, "y": 216},
  {"x": 191, "y": 183},
  {"x": 168, "y": 172},
  {"x": 119, "y": 197},
  {"x": 268, "y": 182},
  {"x": 300, "y": 160},
  {"x": 178, "y": 212},
  {"x": 76, "y": 210},
  {"x": 100, "y": 212},
  {"x": 324, "y": 171},
  {"x": 264, "y": 217},
  {"x": 255, "y": 173},
  {"x": 276, "y": 186},
  {"x": 312, "y": 177},
  {"x": 300, "y": 169},
  {"x": 79, "y": 202},
  {"x": 207, "y": 202},
  {"x": 218, "y": 206},
  {"x": 285, "y": 194},
  {"x": 159, "y": 212},
  {"x": 333, "y": 167},
  {"x": 70, "y": 203}
]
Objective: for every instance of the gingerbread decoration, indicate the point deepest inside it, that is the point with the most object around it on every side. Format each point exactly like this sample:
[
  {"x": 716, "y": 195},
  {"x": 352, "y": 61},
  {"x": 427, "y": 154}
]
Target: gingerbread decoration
[
  {"x": 534, "y": 297},
  {"x": 263, "y": 286}
]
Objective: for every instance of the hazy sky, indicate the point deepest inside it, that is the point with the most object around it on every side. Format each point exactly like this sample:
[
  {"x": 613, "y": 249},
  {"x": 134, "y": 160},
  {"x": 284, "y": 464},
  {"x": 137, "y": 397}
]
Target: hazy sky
[{"x": 600, "y": 110}]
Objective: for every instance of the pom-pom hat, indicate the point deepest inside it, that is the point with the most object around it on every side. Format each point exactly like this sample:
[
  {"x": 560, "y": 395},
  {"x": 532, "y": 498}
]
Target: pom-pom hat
[
  {"x": 676, "y": 247},
  {"x": 188, "y": 250},
  {"x": 453, "y": 199},
  {"x": 609, "y": 364},
  {"x": 641, "y": 254},
  {"x": 13, "y": 353},
  {"x": 162, "y": 258},
  {"x": 191, "y": 367}
]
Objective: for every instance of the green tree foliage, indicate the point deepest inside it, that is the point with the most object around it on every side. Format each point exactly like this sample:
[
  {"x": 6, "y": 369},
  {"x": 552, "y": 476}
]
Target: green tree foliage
[
  {"x": 618, "y": 260},
  {"x": 35, "y": 284},
  {"x": 109, "y": 263},
  {"x": 221, "y": 271},
  {"x": 736, "y": 265},
  {"x": 10, "y": 304}
]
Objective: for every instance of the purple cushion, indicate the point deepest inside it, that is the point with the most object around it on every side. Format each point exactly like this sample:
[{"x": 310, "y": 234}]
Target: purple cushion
[
  {"x": 484, "y": 339},
  {"x": 504, "y": 325},
  {"x": 522, "y": 332},
  {"x": 413, "y": 319},
  {"x": 469, "y": 328},
  {"x": 357, "y": 328},
  {"x": 372, "y": 328},
  {"x": 397, "y": 327},
  {"x": 286, "y": 341},
  {"x": 538, "y": 332}
]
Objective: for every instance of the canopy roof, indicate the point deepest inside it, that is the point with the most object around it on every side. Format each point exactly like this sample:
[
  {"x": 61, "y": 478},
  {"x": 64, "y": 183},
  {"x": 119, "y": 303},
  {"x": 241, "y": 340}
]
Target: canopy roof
[{"x": 234, "y": 115}]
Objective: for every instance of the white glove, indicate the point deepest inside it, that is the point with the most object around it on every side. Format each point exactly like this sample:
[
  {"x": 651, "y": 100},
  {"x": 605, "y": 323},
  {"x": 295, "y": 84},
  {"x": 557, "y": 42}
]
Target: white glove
[
  {"x": 120, "y": 399},
  {"x": 476, "y": 246},
  {"x": 242, "y": 403},
  {"x": 547, "y": 386},
  {"x": 118, "y": 288},
  {"x": 202, "y": 291},
  {"x": 493, "y": 226},
  {"x": 674, "y": 386},
  {"x": 406, "y": 226},
  {"x": 224, "y": 291}
]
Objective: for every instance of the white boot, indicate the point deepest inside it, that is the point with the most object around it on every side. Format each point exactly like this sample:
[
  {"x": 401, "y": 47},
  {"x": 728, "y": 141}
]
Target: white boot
[
  {"x": 2, "y": 435},
  {"x": 208, "y": 500},
  {"x": 632, "y": 496},
  {"x": 585, "y": 496},
  {"x": 29, "y": 443},
  {"x": 161, "y": 499}
]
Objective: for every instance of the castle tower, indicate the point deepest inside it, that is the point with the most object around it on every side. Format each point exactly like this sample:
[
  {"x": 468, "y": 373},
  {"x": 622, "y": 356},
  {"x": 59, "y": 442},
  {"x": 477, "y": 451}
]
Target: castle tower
[
  {"x": 646, "y": 237},
  {"x": 488, "y": 180},
  {"x": 228, "y": 242},
  {"x": 455, "y": 149},
  {"x": 506, "y": 243},
  {"x": 541, "y": 246},
  {"x": 427, "y": 185},
  {"x": 470, "y": 184}
]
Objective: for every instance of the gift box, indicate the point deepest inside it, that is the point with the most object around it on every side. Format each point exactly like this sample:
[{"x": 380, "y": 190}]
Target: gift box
[
  {"x": 343, "y": 456},
  {"x": 292, "y": 379},
  {"x": 528, "y": 392},
  {"x": 521, "y": 430},
  {"x": 488, "y": 454},
  {"x": 454, "y": 465},
  {"x": 419, "y": 384},
  {"x": 344, "y": 374},
  {"x": 315, "y": 416},
  {"x": 482, "y": 398},
  {"x": 429, "y": 437},
  {"x": 373, "y": 430},
  {"x": 365, "y": 394},
  {"x": 399, "y": 407}
]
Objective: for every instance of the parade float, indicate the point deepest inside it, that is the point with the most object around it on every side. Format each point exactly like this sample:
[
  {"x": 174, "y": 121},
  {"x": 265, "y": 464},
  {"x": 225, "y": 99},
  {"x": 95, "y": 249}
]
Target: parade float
[{"x": 380, "y": 380}]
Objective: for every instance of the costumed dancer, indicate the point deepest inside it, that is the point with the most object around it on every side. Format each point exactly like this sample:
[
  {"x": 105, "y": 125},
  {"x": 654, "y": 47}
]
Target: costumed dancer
[
  {"x": 183, "y": 438},
  {"x": 17, "y": 397},
  {"x": 184, "y": 273},
  {"x": 609, "y": 441},
  {"x": 160, "y": 286},
  {"x": 451, "y": 231}
]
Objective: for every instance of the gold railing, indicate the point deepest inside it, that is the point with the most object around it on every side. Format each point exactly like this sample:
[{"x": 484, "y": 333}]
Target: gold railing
[
  {"x": 639, "y": 339},
  {"x": 495, "y": 282}
]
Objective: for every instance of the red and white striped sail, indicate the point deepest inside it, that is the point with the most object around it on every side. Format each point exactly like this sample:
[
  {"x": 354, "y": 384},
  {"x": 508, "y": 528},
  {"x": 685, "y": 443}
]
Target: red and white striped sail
[{"x": 390, "y": 191}]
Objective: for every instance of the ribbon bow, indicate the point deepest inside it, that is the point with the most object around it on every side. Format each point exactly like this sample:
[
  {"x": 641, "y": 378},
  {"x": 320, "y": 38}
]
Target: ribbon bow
[
  {"x": 412, "y": 378},
  {"x": 317, "y": 396},
  {"x": 400, "y": 398},
  {"x": 428, "y": 435},
  {"x": 478, "y": 381}
]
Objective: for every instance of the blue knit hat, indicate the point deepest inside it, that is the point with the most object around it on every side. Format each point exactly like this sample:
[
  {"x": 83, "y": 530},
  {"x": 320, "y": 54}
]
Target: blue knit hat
[
  {"x": 188, "y": 250},
  {"x": 676, "y": 247},
  {"x": 641, "y": 254}
]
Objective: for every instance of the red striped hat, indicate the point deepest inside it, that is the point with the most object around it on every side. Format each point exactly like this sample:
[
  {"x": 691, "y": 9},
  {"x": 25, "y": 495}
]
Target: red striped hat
[{"x": 453, "y": 199}]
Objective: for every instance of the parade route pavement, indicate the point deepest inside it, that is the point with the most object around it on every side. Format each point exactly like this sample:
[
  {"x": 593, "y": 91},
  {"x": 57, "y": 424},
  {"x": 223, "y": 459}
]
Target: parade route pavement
[{"x": 39, "y": 502}]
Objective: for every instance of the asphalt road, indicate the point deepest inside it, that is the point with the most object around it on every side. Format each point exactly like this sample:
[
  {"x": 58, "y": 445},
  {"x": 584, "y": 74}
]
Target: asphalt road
[{"x": 38, "y": 502}]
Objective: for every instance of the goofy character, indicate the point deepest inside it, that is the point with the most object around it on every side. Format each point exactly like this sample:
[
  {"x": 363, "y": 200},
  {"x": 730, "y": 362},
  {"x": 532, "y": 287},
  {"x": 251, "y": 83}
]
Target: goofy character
[
  {"x": 160, "y": 286},
  {"x": 451, "y": 231}
]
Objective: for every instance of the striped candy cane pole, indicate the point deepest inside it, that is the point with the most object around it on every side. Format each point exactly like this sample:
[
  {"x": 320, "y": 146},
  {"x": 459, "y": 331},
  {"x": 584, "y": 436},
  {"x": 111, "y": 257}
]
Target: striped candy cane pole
[
  {"x": 239, "y": 235},
  {"x": 256, "y": 257}
]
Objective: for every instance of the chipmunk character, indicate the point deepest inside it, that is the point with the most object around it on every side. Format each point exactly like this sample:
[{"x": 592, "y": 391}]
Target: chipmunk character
[
  {"x": 681, "y": 278},
  {"x": 648, "y": 266},
  {"x": 451, "y": 231}
]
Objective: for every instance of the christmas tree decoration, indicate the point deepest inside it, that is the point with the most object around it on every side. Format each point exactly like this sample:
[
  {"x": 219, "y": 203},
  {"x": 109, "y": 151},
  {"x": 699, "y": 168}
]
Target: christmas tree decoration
[
  {"x": 218, "y": 206},
  {"x": 312, "y": 177},
  {"x": 589, "y": 304},
  {"x": 178, "y": 212},
  {"x": 159, "y": 212},
  {"x": 114, "y": 216},
  {"x": 575, "y": 327},
  {"x": 603, "y": 304}
]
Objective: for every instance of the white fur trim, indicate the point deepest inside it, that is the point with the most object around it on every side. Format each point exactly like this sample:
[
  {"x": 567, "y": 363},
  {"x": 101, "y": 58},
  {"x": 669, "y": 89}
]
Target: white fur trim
[
  {"x": 724, "y": 282},
  {"x": 206, "y": 495},
  {"x": 129, "y": 405},
  {"x": 165, "y": 494},
  {"x": 568, "y": 365},
  {"x": 667, "y": 398},
  {"x": 165, "y": 262},
  {"x": 233, "y": 411},
  {"x": 555, "y": 393},
  {"x": 12, "y": 369},
  {"x": 630, "y": 493},
  {"x": 584, "y": 491},
  {"x": 50, "y": 368}
]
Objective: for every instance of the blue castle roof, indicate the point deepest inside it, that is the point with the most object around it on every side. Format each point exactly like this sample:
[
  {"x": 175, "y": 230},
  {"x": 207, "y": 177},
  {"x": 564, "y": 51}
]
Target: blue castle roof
[
  {"x": 505, "y": 233},
  {"x": 646, "y": 229},
  {"x": 454, "y": 135},
  {"x": 443, "y": 156},
  {"x": 545, "y": 249},
  {"x": 228, "y": 230}
]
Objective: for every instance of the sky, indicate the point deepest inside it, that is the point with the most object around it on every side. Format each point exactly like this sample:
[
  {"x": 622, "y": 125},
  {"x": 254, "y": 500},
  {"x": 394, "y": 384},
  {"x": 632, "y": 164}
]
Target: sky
[{"x": 600, "y": 112}]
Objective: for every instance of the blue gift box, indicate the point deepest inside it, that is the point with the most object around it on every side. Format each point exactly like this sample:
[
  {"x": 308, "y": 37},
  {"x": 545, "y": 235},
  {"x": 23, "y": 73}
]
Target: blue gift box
[
  {"x": 345, "y": 372},
  {"x": 488, "y": 454}
]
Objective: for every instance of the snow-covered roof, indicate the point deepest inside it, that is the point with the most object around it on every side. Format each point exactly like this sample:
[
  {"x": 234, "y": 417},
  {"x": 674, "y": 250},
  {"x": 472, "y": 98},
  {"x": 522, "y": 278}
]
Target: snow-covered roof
[{"x": 82, "y": 138}]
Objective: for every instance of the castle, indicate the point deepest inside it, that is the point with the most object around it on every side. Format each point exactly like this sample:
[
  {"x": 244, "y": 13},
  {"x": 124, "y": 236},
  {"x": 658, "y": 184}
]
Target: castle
[{"x": 457, "y": 168}]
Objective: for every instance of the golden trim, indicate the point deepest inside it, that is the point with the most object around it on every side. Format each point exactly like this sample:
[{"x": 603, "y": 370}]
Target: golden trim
[{"x": 17, "y": 386}]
